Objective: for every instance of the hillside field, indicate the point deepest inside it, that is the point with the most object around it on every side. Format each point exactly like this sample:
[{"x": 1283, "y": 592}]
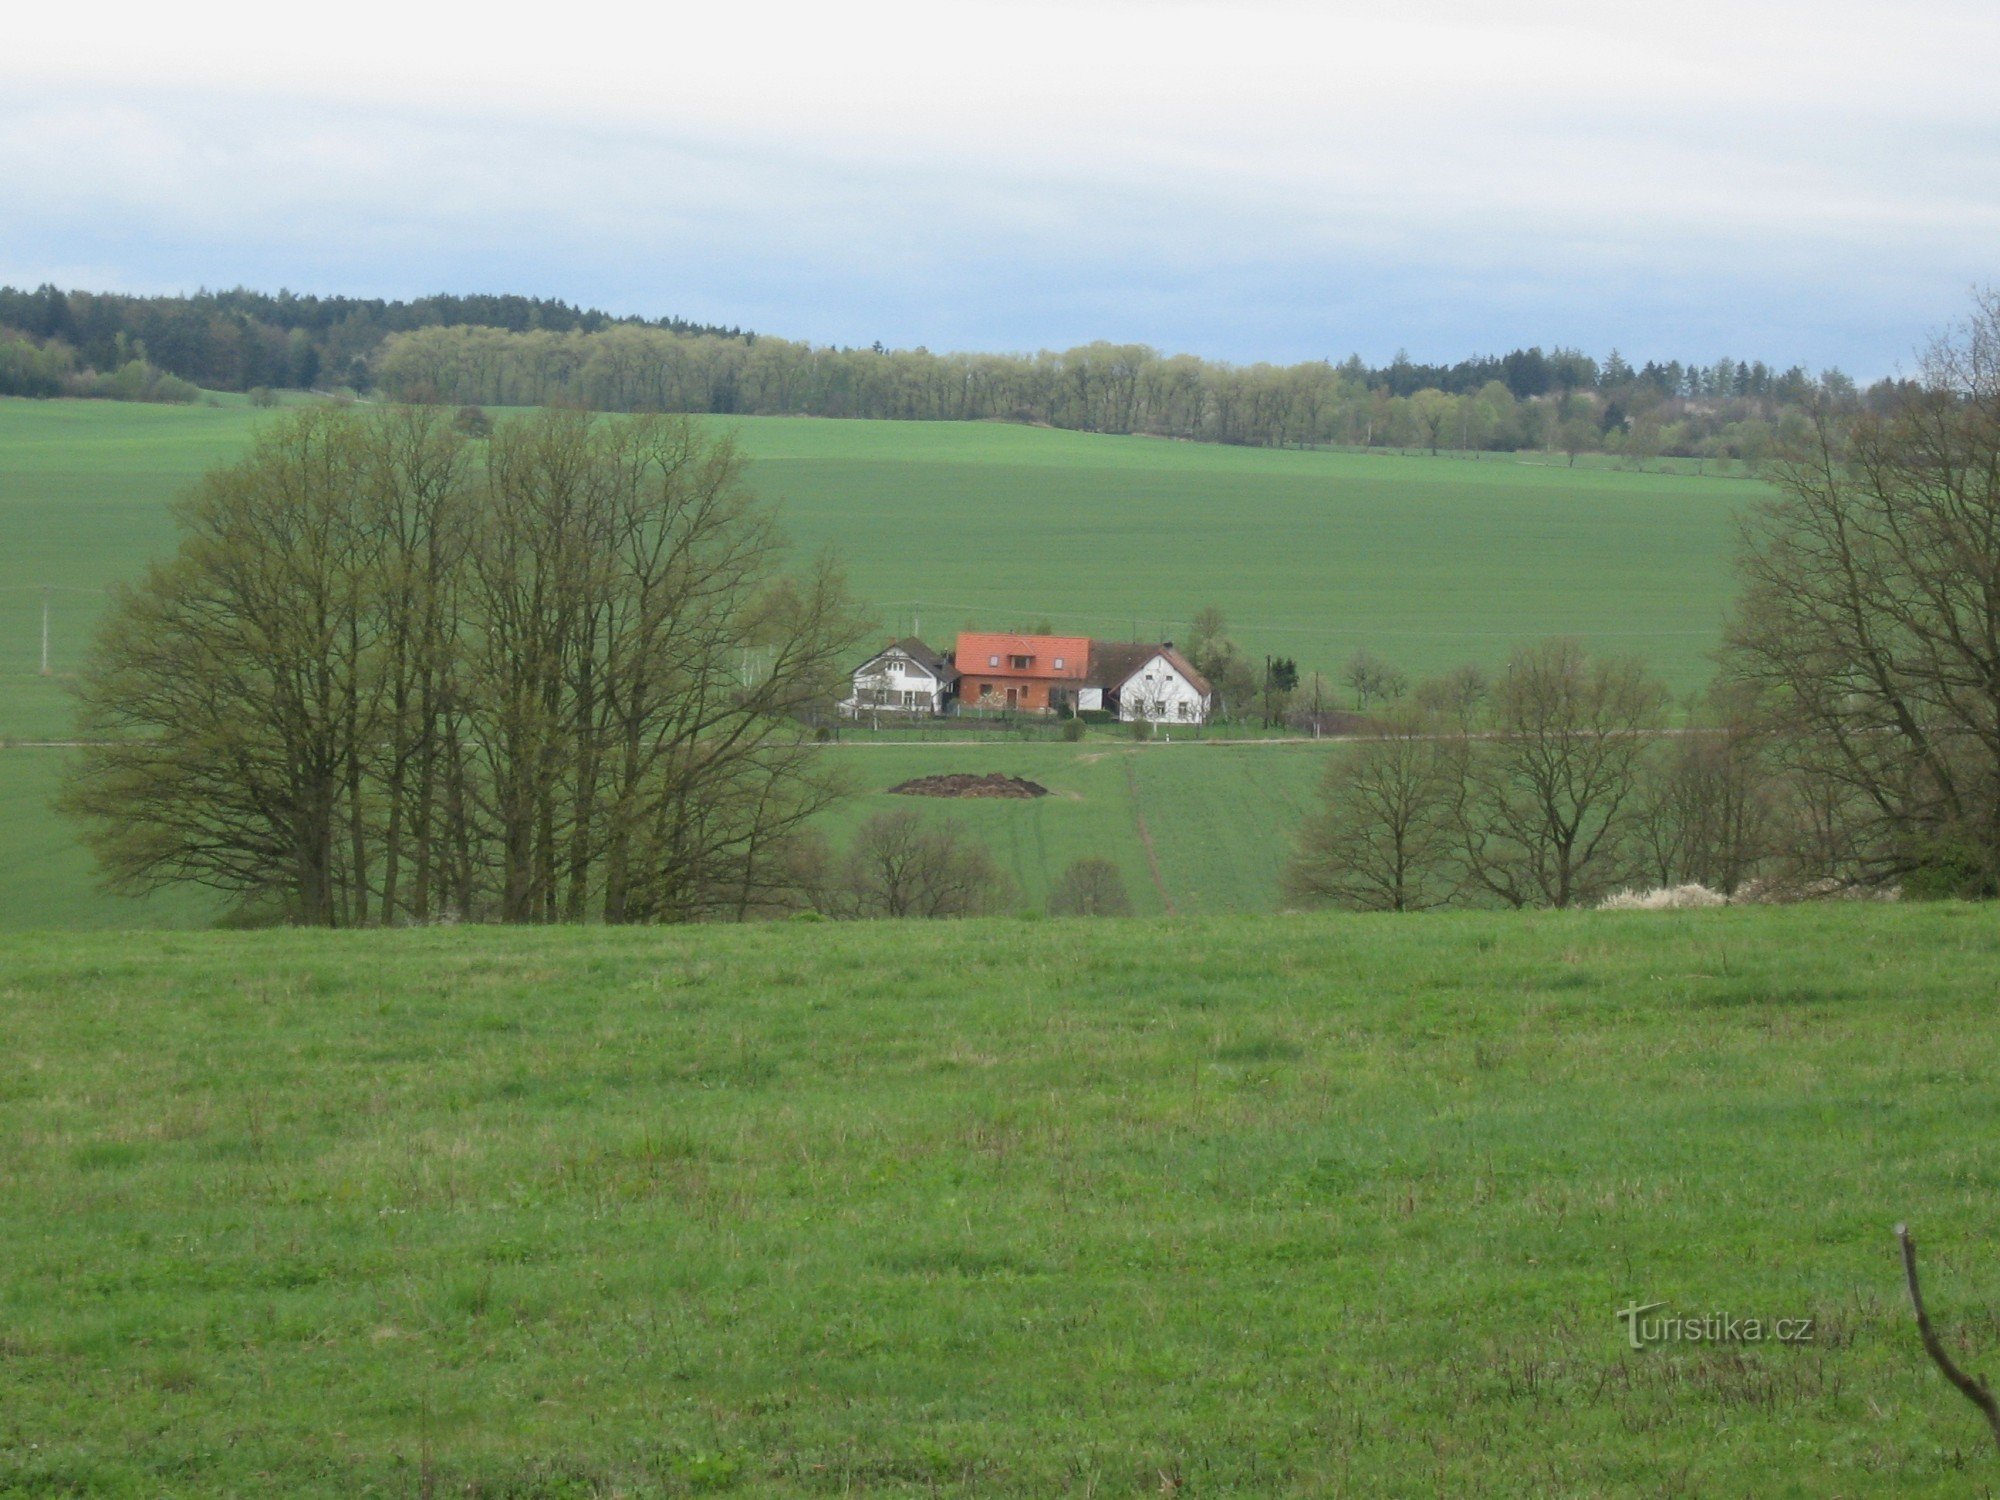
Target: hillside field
[
  {"x": 1426, "y": 562},
  {"x": 1218, "y": 817},
  {"x": 1307, "y": 1205}
]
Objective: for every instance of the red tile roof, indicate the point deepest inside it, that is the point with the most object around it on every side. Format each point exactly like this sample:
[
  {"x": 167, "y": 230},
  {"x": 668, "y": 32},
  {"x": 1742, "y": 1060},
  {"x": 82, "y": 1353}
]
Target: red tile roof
[{"x": 977, "y": 648}]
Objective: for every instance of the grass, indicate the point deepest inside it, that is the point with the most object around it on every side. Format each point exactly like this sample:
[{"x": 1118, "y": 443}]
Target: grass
[
  {"x": 1218, "y": 819},
  {"x": 1427, "y": 562},
  {"x": 1213, "y": 1206}
]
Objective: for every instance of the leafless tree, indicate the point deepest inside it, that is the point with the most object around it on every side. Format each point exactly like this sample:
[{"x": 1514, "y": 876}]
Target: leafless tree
[
  {"x": 376, "y": 685},
  {"x": 227, "y": 700},
  {"x": 1090, "y": 887},
  {"x": 1371, "y": 679},
  {"x": 902, "y": 864},
  {"x": 1552, "y": 789},
  {"x": 1870, "y": 616},
  {"x": 1456, "y": 699},
  {"x": 1384, "y": 836},
  {"x": 1710, "y": 810}
]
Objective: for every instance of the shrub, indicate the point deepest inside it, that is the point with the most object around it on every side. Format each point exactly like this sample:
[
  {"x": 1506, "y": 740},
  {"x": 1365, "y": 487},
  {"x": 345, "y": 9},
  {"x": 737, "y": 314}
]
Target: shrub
[
  {"x": 1073, "y": 730},
  {"x": 903, "y": 865},
  {"x": 1090, "y": 887},
  {"x": 1664, "y": 898}
]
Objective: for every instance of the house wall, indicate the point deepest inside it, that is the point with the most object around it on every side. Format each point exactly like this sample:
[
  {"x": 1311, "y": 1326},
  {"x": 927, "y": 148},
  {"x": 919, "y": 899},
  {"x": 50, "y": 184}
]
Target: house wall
[
  {"x": 886, "y": 685},
  {"x": 1031, "y": 693},
  {"x": 1157, "y": 691}
]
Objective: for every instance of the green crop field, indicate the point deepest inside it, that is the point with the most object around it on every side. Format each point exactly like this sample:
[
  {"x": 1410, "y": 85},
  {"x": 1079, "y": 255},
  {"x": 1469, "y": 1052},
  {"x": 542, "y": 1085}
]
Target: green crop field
[
  {"x": 1213, "y": 1206},
  {"x": 1426, "y": 562}
]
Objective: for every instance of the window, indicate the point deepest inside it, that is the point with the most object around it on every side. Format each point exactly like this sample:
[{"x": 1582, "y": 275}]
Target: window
[
  {"x": 1059, "y": 664},
  {"x": 1020, "y": 663},
  {"x": 992, "y": 661}
]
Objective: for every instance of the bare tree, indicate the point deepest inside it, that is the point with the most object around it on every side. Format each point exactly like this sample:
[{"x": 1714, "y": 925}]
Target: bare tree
[
  {"x": 1371, "y": 679},
  {"x": 1384, "y": 837},
  {"x": 1710, "y": 809},
  {"x": 1552, "y": 790},
  {"x": 1458, "y": 698},
  {"x": 1870, "y": 616},
  {"x": 226, "y": 699},
  {"x": 375, "y": 686},
  {"x": 1090, "y": 887},
  {"x": 902, "y": 864}
]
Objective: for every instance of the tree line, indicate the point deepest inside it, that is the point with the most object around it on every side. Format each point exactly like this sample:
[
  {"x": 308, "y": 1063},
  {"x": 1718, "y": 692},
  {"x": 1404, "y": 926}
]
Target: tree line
[
  {"x": 237, "y": 340},
  {"x": 29, "y": 367},
  {"x": 1724, "y": 412},
  {"x": 386, "y": 678},
  {"x": 520, "y": 351},
  {"x": 1851, "y": 741}
]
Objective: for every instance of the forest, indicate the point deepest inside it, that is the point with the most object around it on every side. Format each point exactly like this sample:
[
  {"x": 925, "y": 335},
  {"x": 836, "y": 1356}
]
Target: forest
[{"x": 523, "y": 351}]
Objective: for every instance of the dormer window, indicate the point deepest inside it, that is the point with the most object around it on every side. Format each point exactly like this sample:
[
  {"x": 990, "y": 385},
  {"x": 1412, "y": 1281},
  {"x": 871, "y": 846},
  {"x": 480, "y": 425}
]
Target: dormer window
[{"x": 1020, "y": 663}]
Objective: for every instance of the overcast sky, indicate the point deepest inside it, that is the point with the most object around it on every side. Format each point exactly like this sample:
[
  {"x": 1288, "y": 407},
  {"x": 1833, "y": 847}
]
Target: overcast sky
[{"x": 1263, "y": 179}]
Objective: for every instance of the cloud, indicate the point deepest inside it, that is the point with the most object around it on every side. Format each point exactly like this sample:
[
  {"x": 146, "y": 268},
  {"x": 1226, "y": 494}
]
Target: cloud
[{"x": 1250, "y": 180}]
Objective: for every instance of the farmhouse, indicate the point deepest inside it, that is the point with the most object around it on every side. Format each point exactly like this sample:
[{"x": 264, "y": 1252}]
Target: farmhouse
[
  {"x": 992, "y": 671},
  {"x": 904, "y": 677},
  {"x": 1137, "y": 680},
  {"x": 1028, "y": 673}
]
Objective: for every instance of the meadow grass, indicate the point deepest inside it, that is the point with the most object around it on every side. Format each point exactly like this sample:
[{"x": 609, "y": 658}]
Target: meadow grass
[
  {"x": 1425, "y": 561},
  {"x": 1214, "y": 1206},
  {"x": 1194, "y": 828}
]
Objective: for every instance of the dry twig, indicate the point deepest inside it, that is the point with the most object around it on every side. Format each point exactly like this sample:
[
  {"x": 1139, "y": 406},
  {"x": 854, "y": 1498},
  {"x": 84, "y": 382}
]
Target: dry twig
[{"x": 1972, "y": 1387}]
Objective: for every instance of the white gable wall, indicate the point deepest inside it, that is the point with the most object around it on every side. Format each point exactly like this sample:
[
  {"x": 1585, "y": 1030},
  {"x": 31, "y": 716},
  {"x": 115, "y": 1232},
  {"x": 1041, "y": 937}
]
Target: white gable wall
[
  {"x": 894, "y": 683},
  {"x": 1158, "y": 691}
]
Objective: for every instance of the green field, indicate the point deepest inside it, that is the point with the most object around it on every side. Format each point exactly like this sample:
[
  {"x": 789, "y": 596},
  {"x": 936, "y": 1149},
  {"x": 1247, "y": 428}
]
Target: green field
[
  {"x": 1233, "y": 1206},
  {"x": 1427, "y": 562}
]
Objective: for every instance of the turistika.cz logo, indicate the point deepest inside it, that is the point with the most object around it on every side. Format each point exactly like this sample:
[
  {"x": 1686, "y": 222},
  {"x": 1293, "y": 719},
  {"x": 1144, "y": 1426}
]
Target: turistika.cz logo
[{"x": 1643, "y": 1331}]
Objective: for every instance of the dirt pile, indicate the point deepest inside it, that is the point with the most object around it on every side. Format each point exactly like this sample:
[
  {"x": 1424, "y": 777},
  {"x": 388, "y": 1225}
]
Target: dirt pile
[{"x": 964, "y": 784}]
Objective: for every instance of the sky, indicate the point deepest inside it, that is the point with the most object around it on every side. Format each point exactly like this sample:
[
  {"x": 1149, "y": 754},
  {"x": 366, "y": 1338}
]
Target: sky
[{"x": 1258, "y": 180}]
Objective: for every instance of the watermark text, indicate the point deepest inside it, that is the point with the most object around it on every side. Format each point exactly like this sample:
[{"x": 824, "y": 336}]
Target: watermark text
[{"x": 1646, "y": 1325}]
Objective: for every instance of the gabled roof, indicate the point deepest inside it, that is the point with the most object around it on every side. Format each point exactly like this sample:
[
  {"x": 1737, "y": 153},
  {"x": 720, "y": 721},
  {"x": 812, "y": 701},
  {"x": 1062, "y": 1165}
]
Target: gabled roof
[
  {"x": 1115, "y": 663},
  {"x": 977, "y": 647},
  {"x": 932, "y": 661}
]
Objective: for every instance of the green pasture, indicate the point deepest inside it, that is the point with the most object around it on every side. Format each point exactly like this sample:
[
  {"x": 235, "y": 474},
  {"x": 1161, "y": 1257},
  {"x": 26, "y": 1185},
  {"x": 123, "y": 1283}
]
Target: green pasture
[
  {"x": 1215, "y": 1206},
  {"x": 1427, "y": 562},
  {"x": 1197, "y": 827},
  {"x": 1219, "y": 819}
]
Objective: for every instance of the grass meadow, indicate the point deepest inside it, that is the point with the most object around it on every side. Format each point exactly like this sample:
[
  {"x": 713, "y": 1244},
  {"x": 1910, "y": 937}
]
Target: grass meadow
[
  {"x": 1427, "y": 562},
  {"x": 1204, "y": 1206}
]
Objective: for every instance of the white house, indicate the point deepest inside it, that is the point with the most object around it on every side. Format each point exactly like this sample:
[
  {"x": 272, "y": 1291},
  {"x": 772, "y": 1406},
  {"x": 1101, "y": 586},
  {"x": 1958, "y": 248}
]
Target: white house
[
  {"x": 1137, "y": 680},
  {"x": 904, "y": 677}
]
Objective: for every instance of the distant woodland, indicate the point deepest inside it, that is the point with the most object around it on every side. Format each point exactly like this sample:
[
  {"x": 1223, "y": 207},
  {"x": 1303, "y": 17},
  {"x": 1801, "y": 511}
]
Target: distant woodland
[{"x": 523, "y": 351}]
